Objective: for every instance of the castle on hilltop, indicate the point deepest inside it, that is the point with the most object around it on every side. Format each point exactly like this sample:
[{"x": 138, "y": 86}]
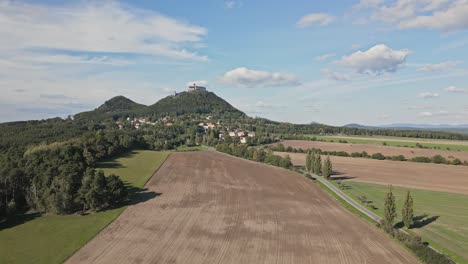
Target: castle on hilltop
[{"x": 196, "y": 88}]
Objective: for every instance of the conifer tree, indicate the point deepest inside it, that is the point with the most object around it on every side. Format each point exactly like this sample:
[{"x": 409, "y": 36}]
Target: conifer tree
[
  {"x": 312, "y": 162},
  {"x": 389, "y": 208},
  {"x": 327, "y": 168},
  {"x": 318, "y": 165},
  {"x": 307, "y": 162},
  {"x": 407, "y": 211}
]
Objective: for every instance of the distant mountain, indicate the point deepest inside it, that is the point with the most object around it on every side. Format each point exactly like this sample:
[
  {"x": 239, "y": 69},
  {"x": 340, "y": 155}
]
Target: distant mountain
[
  {"x": 194, "y": 102},
  {"x": 181, "y": 103}
]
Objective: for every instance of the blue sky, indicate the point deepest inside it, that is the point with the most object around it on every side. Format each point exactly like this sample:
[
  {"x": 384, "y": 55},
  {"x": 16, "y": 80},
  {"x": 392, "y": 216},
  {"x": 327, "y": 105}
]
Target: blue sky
[{"x": 369, "y": 61}]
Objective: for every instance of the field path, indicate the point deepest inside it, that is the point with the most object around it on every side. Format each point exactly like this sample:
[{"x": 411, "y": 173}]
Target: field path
[{"x": 215, "y": 208}]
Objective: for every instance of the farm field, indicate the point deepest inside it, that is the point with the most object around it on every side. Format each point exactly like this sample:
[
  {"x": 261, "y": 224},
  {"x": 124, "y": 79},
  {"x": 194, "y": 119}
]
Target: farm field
[
  {"x": 398, "y": 141},
  {"x": 53, "y": 238},
  {"x": 448, "y": 231},
  {"x": 371, "y": 149},
  {"x": 436, "y": 177},
  {"x": 214, "y": 208}
]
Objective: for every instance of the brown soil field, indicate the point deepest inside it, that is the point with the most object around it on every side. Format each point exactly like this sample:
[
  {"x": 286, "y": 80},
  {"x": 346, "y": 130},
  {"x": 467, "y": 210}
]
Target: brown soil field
[
  {"x": 437, "y": 177},
  {"x": 371, "y": 149},
  {"x": 414, "y": 140},
  {"x": 214, "y": 208}
]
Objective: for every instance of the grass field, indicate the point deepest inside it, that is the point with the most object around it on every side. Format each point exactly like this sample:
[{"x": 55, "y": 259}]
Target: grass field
[
  {"x": 194, "y": 148},
  {"x": 448, "y": 232},
  {"x": 52, "y": 238},
  {"x": 397, "y": 141}
]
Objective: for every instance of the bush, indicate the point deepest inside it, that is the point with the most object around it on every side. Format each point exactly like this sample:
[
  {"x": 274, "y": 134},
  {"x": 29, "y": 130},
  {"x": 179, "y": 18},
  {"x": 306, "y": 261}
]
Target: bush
[
  {"x": 378, "y": 156},
  {"x": 439, "y": 159},
  {"x": 421, "y": 159}
]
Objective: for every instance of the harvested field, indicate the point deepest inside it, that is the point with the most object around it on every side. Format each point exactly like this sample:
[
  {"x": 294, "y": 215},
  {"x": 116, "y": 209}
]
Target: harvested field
[
  {"x": 371, "y": 149},
  {"x": 436, "y": 177},
  {"x": 215, "y": 208}
]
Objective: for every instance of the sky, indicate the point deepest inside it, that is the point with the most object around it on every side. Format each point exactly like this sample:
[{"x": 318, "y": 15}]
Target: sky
[{"x": 370, "y": 62}]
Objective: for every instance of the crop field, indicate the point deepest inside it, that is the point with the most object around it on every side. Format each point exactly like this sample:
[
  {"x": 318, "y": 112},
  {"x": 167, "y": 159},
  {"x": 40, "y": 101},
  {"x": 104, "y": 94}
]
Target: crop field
[
  {"x": 436, "y": 177},
  {"x": 53, "y": 238},
  {"x": 214, "y": 208},
  {"x": 398, "y": 141},
  {"x": 445, "y": 223},
  {"x": 371, "y": 149}
]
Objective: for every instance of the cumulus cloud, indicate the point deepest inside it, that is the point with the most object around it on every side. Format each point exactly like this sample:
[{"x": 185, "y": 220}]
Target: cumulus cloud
[
  {"x": 324, "y": 56},
  {"x": 312, "y": 19},
  {"x": 95, "y": 27},
  {"x": 245, "y": 77},
  {"x": 440, "y": 66},
  {"x": 428, "y": 95},
  {"x": 376, "y": 60},
  {"x": 454, "y": 89}
]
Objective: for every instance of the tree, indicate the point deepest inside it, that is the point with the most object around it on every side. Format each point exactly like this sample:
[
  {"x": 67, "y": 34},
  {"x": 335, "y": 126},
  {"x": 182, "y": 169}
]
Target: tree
[
  {"x": 327, "y": 168},
  {"x": 407, "y": 211},
  {"x": 389, "y": 208},
  {"x": 307, "y": 162},
  {"x": 318, "y": 165},
  {"x": 313, "y": 157}
]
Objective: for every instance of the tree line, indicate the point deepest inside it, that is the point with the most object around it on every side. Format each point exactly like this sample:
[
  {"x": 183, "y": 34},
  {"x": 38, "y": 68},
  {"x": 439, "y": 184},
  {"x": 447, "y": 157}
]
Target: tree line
[
  {"x": 437, "y": 159},
  {"x": 259, "y": 154},
  {"x": 315, "y": 165}
]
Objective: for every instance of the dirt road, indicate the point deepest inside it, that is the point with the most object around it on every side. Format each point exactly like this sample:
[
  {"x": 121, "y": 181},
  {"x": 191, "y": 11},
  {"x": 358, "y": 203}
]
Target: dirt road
[
  {"x": 436, "y": 177},
  {"x": 214, "y": 208}
]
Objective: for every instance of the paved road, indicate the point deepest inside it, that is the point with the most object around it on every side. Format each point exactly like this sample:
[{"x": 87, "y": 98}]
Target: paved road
[{"x": 348, "y": 199}]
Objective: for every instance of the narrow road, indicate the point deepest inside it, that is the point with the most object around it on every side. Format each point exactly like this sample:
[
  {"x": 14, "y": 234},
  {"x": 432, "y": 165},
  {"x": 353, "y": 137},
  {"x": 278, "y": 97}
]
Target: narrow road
[
  {"x": 358, "y": 206},
  {"x": 345, "y": 197}
]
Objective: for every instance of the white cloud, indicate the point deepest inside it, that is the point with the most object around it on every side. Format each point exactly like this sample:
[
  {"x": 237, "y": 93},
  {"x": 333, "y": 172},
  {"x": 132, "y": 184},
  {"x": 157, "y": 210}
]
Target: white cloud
[
  {"x": 324, "y": 56},
  {"x": 454, "y": 89},
  {"x": 376, "y": 60},
  {"x": 337, "y": 76},
  {"x": 245, "y": 77},
  {"x": 199, "y": 83},
  {"x": 444, "y": 15},
  {"x": 426, "y": 114},
  {"x": 232, "y": 4},
  {"x": 95, "y": 27},
  {"x": 321, "y": 19},
  {"x": 368, "y": 4},
  {"x": 440, "y": 66},
  {"x": 428, "y": 95},
  {"x": 451, "y": 18}
]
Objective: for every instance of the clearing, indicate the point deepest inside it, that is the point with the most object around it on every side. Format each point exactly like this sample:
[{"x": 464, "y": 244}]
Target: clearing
[
  {"x": 214, "y": 208},
  {"x": 53, "y": 238},
  {"x": 436, "y": 177}
]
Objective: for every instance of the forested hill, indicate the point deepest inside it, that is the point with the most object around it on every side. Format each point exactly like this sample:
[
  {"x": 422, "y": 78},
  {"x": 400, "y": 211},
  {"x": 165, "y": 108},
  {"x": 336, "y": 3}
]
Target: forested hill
[
  {"x": 194, "y": 102},
  {"x": 182, "y": 103}
]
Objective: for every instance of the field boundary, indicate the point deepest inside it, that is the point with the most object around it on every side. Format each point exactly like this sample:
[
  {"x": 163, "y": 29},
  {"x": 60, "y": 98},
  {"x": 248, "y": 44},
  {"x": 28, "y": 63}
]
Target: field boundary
[{"x": 361, "y": 208}]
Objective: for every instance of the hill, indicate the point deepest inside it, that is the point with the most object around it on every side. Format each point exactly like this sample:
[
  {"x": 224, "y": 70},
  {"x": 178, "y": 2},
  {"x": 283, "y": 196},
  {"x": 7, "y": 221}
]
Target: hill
[
  {"x": 194, "y": 102},
  {"x": 119, "y": 104}
]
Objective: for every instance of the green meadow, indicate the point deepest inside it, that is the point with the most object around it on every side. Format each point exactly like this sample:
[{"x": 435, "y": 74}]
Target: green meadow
[
  {"x": 443, "y": 217},
  {"x": 53, "y": 238}
]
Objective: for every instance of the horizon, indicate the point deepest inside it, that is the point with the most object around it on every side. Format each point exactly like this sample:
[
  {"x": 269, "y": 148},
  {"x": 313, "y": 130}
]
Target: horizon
[{"x": 362, "y": 62}]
